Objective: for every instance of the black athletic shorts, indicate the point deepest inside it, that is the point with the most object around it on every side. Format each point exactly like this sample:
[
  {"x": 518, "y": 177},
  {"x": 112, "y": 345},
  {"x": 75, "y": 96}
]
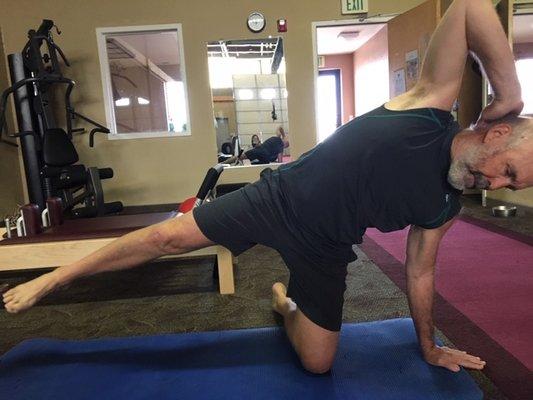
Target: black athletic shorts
[{"x": 256, "y": 214}]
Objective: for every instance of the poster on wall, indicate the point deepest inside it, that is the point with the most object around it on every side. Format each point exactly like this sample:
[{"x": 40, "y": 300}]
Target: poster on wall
[
  {"x": 412, "y": 65},
  {"x": 354, "y": 6},
  {"x": 398, "y": 82}
]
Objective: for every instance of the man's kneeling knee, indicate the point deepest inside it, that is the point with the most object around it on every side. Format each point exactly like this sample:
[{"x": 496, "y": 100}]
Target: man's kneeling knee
[{"x": 317, "y": 365}]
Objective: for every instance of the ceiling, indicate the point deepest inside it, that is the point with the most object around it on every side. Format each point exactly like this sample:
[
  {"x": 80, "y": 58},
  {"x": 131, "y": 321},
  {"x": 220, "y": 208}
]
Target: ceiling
[
  {"x": 523, "y": 28},
  {"x": 250, "y": 48},
  {"x": 160, "y": 47},
  {"x": 328, "y": 41}
]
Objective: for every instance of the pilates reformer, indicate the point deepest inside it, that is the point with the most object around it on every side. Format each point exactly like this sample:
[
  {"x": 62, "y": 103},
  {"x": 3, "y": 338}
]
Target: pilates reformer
[
  {"x": 54, "y": 178},
  {"x": 76, "y": 238}
]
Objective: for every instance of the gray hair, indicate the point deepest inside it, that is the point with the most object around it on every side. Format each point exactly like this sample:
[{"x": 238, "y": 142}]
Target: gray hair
[{"x": 522, "y": 128}]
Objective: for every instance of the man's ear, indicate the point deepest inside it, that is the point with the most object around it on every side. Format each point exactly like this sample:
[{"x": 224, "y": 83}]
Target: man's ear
[{"x": 497, "y": 132}]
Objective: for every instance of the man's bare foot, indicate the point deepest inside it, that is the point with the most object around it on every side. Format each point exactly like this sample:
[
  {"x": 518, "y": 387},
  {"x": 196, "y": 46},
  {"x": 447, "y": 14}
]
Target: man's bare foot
[
  {"x": 24, "y": 296},
  {"x": 280, "y": 302}
]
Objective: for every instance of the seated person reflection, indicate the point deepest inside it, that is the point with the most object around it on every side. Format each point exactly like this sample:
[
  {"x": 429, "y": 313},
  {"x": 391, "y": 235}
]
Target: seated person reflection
[
  {"x": 255, "y": 141},
  {"x": 266, "y": 152}
]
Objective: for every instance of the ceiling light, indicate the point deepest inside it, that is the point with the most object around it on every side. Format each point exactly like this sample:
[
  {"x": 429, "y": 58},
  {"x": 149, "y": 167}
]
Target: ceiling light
[
  {"x": 348, "y": 35},
  {"x": 123, "y": 102},
  {"x": 268, "y": 94},
  {"x": 142, "y": 101}
]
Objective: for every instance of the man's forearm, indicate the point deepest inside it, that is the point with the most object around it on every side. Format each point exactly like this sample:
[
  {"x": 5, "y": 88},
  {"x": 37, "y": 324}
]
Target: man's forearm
[
  {"x": 420, "y": 288},
  {"x": 488, "y": 41}
]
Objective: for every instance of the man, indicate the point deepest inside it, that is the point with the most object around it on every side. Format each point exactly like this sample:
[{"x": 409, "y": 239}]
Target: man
[
  {"x": 390, "y": 168},
  {"x": 266, "y": 152}
]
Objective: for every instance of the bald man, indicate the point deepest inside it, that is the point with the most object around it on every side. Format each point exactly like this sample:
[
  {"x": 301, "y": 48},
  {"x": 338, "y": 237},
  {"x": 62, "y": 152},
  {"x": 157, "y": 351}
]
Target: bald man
[{"x": 403, "y": 164}]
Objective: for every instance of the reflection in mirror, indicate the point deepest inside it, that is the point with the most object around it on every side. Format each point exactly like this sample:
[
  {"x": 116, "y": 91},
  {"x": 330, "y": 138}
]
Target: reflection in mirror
[
  {"x": 523, "y": 51},
  {"x": 146, "y": 80},
  {"x": 249, "y": 91}
]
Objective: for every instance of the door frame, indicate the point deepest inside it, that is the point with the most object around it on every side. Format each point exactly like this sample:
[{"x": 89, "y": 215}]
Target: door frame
[
  {"x": 337, "y": 73},
  {"x": 381, "y": 19}
]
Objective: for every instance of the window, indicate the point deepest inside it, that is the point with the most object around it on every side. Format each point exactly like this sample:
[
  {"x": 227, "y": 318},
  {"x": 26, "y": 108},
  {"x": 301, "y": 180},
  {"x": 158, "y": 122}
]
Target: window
[
  {"x": 245, "y": 94},
  {"x": 144, "y": 80},
  {"x": 268, "y": 94},
  {"x": 523, "y": 69}
]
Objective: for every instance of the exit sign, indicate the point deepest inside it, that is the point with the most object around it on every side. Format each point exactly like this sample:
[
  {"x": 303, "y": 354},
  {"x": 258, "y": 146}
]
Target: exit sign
[{"x": 354, "y": 6}]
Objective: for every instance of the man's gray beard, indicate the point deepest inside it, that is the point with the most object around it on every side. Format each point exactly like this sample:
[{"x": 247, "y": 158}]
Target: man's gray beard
[
  {"x": 456, "y": 175},
  {"x": 459, "y": 169}
]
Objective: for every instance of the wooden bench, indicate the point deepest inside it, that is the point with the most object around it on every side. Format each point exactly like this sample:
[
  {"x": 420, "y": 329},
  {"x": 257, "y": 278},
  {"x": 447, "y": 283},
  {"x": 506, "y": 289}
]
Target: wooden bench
[{"x": 57, "y": 248}]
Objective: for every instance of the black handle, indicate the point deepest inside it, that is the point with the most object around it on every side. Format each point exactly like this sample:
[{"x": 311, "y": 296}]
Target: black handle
[
  {"x": 210, "y": 181},
  {"x": 95, "y": 131}
]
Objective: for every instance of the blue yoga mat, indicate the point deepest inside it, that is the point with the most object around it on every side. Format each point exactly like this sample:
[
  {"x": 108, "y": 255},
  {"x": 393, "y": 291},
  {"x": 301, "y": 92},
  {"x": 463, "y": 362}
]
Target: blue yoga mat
[{"x": 378, "y": 360}]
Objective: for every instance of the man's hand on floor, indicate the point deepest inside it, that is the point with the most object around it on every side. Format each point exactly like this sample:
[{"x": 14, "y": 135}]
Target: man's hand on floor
[{"x": 452, "y": 359}]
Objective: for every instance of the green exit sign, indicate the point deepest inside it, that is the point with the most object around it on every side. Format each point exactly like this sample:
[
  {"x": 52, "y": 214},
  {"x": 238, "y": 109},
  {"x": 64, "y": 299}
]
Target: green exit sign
[{"x": 354, "y": 6}]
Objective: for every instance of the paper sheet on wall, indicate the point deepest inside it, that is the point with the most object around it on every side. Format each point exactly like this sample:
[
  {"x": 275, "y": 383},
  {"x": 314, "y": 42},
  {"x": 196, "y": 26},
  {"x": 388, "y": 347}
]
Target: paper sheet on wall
[
  {"x": 411, "y": 65},
  {"x": 398, "y": 82}
]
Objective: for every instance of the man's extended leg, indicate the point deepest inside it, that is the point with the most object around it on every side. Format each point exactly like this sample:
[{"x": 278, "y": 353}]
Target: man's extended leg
[
  {"x": 175, "y": 236},
  {"x": 315, "y": 345}
]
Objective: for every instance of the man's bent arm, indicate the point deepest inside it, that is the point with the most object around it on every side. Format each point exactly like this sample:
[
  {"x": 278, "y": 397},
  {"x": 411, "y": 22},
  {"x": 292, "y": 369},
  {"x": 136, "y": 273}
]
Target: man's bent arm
[
  {"x": 468, "y": 25},
  {"x": 422, "y": 248}
]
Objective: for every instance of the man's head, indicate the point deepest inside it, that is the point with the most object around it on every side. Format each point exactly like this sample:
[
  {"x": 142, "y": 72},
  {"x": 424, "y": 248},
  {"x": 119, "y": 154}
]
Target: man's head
[{"x": 496, "y": 157}]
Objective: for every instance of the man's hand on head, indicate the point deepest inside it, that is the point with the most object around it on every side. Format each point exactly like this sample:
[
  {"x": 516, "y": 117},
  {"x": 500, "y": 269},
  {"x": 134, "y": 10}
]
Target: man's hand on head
[
  {"x": 452, "y": 359},
  {"x": 498, "y": 109}
]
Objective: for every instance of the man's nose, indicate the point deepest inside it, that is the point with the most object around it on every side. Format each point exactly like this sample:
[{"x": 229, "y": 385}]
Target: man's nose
[{"x": 498, "y": 183}]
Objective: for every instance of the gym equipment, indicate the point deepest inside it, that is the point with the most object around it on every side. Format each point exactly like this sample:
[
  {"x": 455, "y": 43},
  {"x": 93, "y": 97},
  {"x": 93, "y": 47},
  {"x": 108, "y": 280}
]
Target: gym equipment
[
  {"x": 226, "y": 188},
  {"x": 69, "y": 241},
  {"x": 232, "y": 149},
  {"x": 375, "y": 360},
  {"x": 205, "y": 193},
  {"x": 50, "y": 158}
]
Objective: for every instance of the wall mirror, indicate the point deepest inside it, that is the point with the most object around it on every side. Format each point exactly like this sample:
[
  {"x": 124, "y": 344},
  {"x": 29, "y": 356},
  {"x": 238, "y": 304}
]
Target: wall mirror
[{"x": 249, "y": 90}]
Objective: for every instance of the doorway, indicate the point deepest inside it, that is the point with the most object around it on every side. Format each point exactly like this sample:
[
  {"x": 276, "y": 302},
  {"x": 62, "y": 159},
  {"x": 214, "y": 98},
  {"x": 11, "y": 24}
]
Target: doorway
[
  {"x": 353, "y": 58},
  {"x": 329, "y": 97}
]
